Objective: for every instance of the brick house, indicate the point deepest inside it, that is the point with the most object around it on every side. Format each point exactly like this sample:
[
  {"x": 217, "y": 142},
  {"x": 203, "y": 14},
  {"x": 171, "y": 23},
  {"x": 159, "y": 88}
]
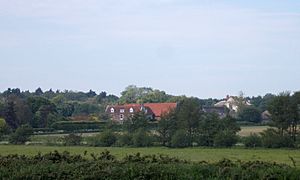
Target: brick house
[{"x": 120, "y": 113}]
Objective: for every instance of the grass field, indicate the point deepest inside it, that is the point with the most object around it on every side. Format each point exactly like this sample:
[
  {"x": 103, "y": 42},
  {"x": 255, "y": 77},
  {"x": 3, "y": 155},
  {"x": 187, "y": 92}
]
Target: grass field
[
  {"x": 247, "y": 130},
  {"x": 193, "y": 154}
]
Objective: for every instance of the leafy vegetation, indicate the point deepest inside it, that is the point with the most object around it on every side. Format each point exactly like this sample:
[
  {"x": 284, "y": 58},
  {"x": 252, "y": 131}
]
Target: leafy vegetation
[{"x": 105, "y": 166}]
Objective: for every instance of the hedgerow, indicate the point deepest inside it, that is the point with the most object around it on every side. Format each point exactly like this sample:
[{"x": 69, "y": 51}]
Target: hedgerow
[{"x": 57, "y": 165}]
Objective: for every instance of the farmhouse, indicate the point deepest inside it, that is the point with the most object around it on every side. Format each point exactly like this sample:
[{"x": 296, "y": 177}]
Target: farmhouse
[
  {"x": 221, "y": 111},
  {"x": 120, "y": 113},
  {"x": 232, "y": 103}
]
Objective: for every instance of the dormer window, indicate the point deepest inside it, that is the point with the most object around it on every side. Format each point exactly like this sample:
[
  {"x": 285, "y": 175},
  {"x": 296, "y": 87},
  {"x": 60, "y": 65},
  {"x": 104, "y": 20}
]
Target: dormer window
[
  {"x": 112, "y": 110},
  {"x": 122, "y": 110},
  {"x": 131, "y": 110}
]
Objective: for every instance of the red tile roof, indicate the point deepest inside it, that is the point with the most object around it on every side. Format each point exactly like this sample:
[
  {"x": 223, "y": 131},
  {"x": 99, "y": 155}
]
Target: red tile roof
[{"x": 160, "y": 108}]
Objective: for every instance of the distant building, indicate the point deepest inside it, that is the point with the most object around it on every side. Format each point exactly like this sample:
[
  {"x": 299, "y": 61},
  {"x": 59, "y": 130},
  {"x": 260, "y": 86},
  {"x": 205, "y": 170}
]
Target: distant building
[
  {"x": 265, "y": 117},
  {"x": 121, "y": 113},
  {"x": 232, "y": 103},
  {"x": 221, "y": 111}
]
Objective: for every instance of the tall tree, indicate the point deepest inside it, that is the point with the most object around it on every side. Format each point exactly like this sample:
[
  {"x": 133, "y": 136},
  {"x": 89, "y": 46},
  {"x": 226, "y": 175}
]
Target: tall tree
[
  {"x": 188, "y": 115},
  {"x": 284, "y": 114},
  {"x": 38, "y": 91},
  {"x": 167, "y": 127},
  {"x": 10, "y": 115}
]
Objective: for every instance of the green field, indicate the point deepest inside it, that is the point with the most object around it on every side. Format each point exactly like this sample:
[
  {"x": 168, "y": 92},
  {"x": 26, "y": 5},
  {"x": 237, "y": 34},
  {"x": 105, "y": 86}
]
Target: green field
[{"x": 193, "y": 154}]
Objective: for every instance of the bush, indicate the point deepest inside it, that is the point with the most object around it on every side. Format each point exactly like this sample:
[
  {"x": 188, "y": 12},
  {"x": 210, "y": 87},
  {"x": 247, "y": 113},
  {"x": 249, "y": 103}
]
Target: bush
[
  {"x": 180, "y": 139},
  {"x": 204, "y": 140},
  {"x": 225, "y": 139},
  {"x": 108, "y": 138},
  {"x": 72, "y": 140},
  {"x": 4, "y": 129},
  {"x": 273, "y": 139},
  {"x": 141, "y": 138},
  {"x": 252, "y": 141},
  {"x": 55, "y": 165},
  {"x": 124, "y": 140},
  {"x": 105, "y": 139},
  {"x": 21, "y": 135},
  {"x": 73, "y": 126}
]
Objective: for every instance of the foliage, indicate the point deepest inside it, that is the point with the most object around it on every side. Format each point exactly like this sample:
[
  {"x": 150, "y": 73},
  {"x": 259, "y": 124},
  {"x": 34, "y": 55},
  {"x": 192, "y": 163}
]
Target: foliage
[
  {"x": 141, "y": 138},
  {"x": 10, "y": 115},
  {"x": 249, "y": 114},
  {"x": 57, "y": 165},
  {"x": 252, "y": 141},
  {"x": 124, "y": 139},
  {"x": 134, "y": 94},
  {"x": 166, "y": 127},
  {"x": 284, "y": 114},
  {"x": 3, "y": 128},
  {"x": 138, "y": 121},
  {"x": 73, "y": 126},
  {"x": 72, "y": 139},
  {"x": 225, "y": 139},
  {"x": 21, "y": 135},
  {"x": 180, "y": 139},
  {"x": 108, "y": 138},
  {"x": 188, "y": 116},
  {"x": 272, "y": 138}
]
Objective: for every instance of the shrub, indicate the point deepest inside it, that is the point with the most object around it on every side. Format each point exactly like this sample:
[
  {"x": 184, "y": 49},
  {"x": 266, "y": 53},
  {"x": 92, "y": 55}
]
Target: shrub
[
  {"x": 72, "y": 140},
  {"x": 21, "y": 135},
  {"x": 4, "y": 129},
  {"x": 105, "y": 139},
  {"x": 72, "y": 126},
  {"x": 252, "y": 141},
  {"x": 273, "y": 139},
  {"x": 124, "y": 140},
  {"x": 180, "y": 139},
  {"x": 204, "y": 140},
  {"x": 225, "y": 139},
  {"x": 94, "y": 140},
  {"x": 141, "y": 138},
  {"x": 108, "y": 138}
]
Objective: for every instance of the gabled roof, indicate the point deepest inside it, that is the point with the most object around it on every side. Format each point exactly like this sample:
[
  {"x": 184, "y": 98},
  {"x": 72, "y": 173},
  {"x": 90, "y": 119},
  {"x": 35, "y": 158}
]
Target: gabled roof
[{"x": 161, "y": 108}]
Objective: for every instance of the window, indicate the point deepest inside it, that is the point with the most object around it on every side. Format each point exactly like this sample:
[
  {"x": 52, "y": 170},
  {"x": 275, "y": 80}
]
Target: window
[
  {"x": 121, "y": 117},
  {"x": 122, "y": 110},
  {"x": 131, "y": 110},
  {"x": 112, "y": 110}
]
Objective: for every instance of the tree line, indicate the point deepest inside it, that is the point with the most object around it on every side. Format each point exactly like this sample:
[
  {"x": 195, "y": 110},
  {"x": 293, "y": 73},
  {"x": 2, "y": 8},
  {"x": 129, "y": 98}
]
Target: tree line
[{"x": 187, "y": 125}]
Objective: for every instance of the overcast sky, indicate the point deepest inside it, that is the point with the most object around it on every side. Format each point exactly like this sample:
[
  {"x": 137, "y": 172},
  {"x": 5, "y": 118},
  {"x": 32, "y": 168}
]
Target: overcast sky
[{"x": 199, "y": 48}]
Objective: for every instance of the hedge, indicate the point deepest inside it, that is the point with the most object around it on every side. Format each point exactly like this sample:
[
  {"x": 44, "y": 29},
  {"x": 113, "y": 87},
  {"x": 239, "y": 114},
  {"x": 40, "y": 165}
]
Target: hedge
[
  {"x": 57, "y": 165},
  {"x": 72, "y": 126}
]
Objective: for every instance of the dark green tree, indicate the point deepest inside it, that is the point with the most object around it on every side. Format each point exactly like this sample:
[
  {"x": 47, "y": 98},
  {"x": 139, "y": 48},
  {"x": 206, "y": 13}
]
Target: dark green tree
[
  {"x": 138, "y": 121},
  {"x": 188, "y": 115},
  {"x": 167, "y": 127},
  {"x": 10, "y": 115},
  {"x": 249, "y": 114},
  {"x": 284, "y": 114},
  {"x": 21, "y": 135},
  {"x": 180, "y": 139},
  {"x": 39, "y": 92}
]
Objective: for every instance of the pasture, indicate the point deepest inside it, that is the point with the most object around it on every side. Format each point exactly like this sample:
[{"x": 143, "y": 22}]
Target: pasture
[
  {"x": 193, "y": 154},
  {"x": 247, "y": 130}
]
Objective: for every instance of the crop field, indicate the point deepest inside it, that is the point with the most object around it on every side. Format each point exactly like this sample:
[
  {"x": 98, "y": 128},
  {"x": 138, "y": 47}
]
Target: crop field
[
  {"x": 193, "y": 154},
  {"x": 247, "y": 130}
]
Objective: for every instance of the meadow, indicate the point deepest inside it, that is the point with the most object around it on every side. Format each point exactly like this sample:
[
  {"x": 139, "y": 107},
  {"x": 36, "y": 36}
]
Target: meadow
[
  {"x": 247, "y": 130},
  {"x": 192, "y": 154}
]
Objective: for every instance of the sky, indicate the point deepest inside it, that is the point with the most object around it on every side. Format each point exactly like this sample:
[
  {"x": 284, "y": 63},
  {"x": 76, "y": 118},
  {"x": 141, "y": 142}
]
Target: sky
[{"x": 202, "y": 48}]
